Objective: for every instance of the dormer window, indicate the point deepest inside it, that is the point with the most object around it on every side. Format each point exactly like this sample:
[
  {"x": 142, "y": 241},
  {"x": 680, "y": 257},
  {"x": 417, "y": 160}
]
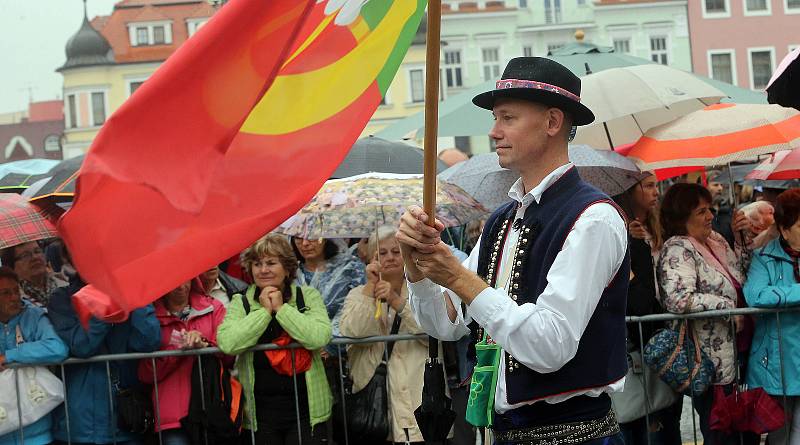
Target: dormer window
[{"x": 150, "y": 33}]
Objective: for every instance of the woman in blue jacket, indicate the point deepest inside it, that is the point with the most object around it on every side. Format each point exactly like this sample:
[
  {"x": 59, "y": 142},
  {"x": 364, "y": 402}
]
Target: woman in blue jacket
[
  {"x": 774, "y": 282},
  {"x": 90, "y": 419},
  {"x": 39, "y": 345}
]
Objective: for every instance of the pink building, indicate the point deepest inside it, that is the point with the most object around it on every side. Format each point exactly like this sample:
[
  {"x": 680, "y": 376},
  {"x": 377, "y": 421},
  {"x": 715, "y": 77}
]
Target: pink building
[{"x": 742, "y": 41}]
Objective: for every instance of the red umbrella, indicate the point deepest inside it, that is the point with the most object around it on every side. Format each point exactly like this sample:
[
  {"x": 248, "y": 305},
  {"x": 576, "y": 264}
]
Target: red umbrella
[
  {"x": 751, "y": 410},
  {"x": 784, "y": 164},
  {"x": 21, "y": 222}
]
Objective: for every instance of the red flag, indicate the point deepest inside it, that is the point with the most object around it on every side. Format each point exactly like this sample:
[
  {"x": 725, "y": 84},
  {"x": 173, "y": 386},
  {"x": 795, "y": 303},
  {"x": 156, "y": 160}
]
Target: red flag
[{"x": 230, "y": 137}]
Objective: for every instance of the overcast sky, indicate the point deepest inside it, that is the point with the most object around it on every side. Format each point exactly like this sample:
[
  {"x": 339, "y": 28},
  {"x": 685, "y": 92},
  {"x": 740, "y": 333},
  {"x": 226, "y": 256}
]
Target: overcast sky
[{"x": 33, "y": 34}]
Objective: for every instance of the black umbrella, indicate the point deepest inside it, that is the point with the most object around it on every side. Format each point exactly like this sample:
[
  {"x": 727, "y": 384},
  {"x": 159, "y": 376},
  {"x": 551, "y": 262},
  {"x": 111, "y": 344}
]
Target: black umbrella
[
  {"x": 373, "y": 154},
  {"x": 17, "y": 182},
  {"x": 434, "y": 417},
  {"x": 60, "y": 183},
  {"x": 783, "y": 87}
]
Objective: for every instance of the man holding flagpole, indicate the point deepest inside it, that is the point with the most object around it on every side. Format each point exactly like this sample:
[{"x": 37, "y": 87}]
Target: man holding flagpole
[{"x": 543, "y": 293}]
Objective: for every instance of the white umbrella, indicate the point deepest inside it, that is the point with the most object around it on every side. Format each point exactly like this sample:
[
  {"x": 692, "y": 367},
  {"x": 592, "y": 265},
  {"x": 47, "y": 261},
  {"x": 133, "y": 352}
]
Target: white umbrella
[{"x": 630, "y": 100}]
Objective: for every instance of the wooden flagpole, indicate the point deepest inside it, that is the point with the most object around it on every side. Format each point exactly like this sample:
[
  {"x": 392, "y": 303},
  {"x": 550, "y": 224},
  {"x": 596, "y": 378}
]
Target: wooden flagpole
[{"x": 431, "y": 107}]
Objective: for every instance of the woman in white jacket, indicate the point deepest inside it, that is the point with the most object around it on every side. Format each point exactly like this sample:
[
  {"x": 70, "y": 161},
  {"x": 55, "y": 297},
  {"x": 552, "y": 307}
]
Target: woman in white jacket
[{"x": 386, "y": 287}]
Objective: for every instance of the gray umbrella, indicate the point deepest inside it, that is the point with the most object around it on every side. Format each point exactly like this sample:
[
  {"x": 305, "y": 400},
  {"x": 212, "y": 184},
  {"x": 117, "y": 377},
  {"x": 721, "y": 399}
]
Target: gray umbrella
[
  {"x": 483, "y": 178},
  {"x": 375, "y": 155},
  {"x": 607, "y": 170}
]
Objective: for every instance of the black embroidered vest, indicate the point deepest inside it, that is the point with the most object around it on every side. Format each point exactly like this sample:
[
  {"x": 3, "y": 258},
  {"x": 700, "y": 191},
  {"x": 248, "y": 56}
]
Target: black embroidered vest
[{"x": 600, "y": 359}]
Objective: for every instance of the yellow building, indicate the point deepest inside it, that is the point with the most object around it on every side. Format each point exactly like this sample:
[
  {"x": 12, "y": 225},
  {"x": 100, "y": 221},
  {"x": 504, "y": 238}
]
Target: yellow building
[
  {"x": 406, "y": 94},
  {"x": 111, "y": 56}
]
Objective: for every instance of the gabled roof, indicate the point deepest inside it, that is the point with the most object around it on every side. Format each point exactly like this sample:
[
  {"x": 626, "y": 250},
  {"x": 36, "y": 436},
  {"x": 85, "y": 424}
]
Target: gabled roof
[{"x": 150, "y": 14}]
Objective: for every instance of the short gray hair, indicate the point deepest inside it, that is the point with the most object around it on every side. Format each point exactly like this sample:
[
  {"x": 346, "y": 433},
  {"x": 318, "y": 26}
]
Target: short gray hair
[{"x": 383, "y": 233}]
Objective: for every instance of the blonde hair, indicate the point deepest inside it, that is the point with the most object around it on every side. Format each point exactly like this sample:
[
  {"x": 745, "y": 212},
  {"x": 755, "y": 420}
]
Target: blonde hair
[
  {"x": 271, "y": 244},
  {"x": 383, "y": 233}
]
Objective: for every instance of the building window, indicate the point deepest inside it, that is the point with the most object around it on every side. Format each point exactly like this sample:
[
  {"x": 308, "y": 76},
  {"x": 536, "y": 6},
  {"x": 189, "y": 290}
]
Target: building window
[
  {"x": 557, "y": 11},
  {"x": 793, "y": 5},
  {"x": 658, "y": 50},
  {"x": 553, "y": 47},
  {"x": 491, "y": 63},
  {"x": 416, "y": 78},
  {"x": 98, "y": 108},
  {"x": 622, "y": 46},
  {"x": 142, "y": 36},
  {"x": 133, "y": 86},
  {"x": 548, "y": 11},
  {"x": 716, "y": 6},
  {"x": 452, "y": 68},
  {"x": 722, "y": 67},
  {"x": 757, "y": 7},
  {"x": 581, "y": 2},
  {"x": 523, "y": 3},
  {"x": 527, "y": 51},
  {"x": 193, "y": 25},
  {"x": 760, "y": 68},
  {"x": 52, "y": 143},
  {"x": 72, "y": 111},
  {"x": 158, "y": 35}
]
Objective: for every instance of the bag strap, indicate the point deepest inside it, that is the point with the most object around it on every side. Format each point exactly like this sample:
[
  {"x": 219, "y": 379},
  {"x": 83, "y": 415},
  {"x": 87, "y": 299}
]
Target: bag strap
[{"x": 395, "y": 329}]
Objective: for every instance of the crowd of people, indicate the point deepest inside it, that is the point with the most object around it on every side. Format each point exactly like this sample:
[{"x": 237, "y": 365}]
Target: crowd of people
[{"x": 690, "y": 252}]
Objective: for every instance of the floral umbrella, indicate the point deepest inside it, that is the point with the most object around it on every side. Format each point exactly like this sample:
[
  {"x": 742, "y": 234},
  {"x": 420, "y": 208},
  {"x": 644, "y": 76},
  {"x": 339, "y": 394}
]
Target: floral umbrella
[{"x": 354, "y": 207}]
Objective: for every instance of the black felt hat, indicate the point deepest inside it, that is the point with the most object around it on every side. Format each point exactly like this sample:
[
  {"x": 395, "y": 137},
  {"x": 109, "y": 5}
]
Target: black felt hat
[{"x": 543, "y": 81}]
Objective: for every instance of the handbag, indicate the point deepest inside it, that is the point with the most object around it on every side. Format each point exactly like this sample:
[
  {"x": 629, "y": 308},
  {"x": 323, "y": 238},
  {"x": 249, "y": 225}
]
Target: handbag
[
  {"x": 632, "y": 403},
  {"x": 483, "y": 384},
  {"x": 676, "y": 357},
  {"x": 367, "y": 411},
  {"x": 134, "y": 410},
  {"x": 40, "y": 391}
]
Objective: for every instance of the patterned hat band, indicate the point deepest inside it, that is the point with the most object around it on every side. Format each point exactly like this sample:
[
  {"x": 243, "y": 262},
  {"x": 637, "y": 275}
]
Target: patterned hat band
[{"x": 517, "y": 83}]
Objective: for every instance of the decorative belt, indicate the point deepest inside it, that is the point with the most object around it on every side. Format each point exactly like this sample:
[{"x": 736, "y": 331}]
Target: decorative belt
[{"x": 572, "y": 433}]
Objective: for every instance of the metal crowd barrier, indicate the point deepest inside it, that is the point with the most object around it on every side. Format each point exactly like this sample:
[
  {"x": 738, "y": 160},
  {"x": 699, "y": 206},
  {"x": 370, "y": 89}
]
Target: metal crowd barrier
[{"x": 340, "y": 342}]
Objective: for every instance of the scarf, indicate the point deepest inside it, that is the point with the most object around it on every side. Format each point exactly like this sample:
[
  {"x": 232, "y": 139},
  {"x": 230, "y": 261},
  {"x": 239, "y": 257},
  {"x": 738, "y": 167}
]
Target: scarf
[{"x": 794, "y": 255}]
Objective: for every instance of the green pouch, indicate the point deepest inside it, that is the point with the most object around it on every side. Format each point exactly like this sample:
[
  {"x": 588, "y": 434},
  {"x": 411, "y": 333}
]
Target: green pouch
[{"x": 482, "y": 386}]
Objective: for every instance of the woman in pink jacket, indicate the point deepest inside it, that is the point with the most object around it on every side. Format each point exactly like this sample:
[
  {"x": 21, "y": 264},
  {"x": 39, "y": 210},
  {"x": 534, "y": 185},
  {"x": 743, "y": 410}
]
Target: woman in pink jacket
[{"x": 189, "y": 320}]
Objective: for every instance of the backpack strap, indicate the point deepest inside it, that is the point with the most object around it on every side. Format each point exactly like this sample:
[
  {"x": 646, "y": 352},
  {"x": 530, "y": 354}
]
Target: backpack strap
[
  {"x": 301, "y": 302},
  {"x": 245, "y": 303}
]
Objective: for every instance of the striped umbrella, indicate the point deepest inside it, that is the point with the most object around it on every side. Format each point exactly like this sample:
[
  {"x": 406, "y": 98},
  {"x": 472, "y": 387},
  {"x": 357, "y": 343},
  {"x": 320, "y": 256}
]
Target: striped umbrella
[
  {"x": 784, "y": 164},
  {"x": 718, "y": 134},
  {"x": 21, "y": 222}
]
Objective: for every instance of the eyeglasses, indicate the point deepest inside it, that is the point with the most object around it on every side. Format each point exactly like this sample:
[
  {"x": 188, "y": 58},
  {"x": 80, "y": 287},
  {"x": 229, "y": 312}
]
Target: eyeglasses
[
  {"x": 4, "y": 293},
  {"x": 24, "y": 256}
]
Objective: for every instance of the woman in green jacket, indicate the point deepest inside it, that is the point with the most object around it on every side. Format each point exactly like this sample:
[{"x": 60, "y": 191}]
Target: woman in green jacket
[{"x": 269, "y": 309}]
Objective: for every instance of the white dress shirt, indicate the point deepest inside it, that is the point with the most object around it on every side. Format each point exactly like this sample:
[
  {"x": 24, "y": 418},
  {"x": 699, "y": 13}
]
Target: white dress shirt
[{"x": 543, "y": 336}]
